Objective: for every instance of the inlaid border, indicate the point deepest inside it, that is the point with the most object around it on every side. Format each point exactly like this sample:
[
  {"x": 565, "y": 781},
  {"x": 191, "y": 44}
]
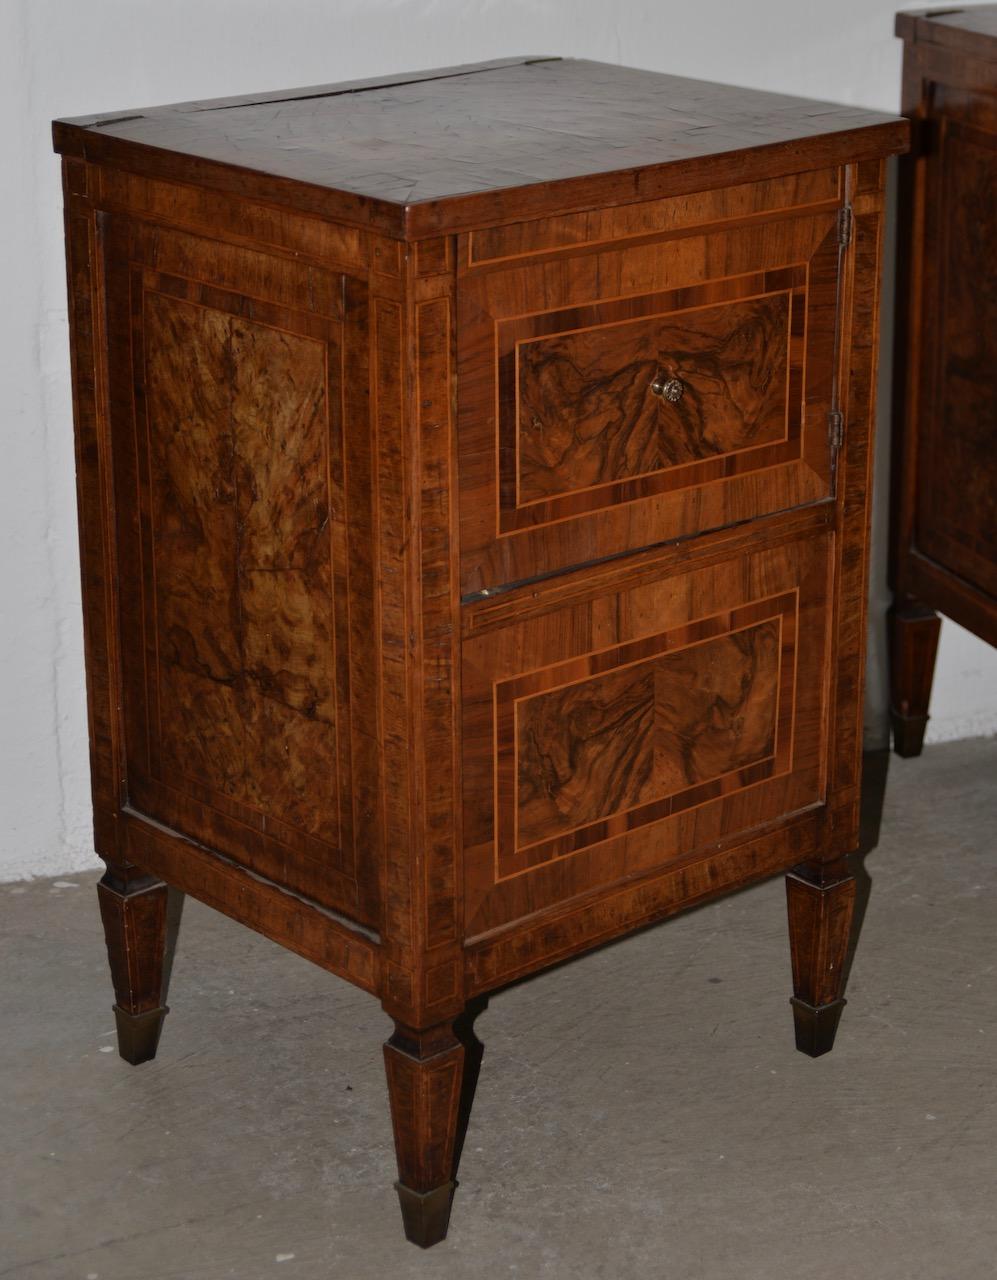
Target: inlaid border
[
  {"x": 510, "y": 334},
  {"x": 146, "y": 282},
  {"x": 513, "y": 858},
  {"x": 245, "y": 284}
]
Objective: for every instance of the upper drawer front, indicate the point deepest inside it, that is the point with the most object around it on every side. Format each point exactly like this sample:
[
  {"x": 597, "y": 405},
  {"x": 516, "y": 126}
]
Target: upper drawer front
[
  {"x": 613, "y": 399},
  {"x": 596, "y": 406}
]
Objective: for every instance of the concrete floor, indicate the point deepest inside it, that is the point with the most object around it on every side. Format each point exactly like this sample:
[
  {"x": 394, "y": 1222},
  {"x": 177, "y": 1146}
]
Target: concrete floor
[{"x": 640, "y": 1113}]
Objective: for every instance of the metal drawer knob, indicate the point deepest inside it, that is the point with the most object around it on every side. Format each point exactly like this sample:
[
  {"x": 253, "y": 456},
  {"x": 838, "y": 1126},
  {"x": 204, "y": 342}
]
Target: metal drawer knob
[{"x": 670, "y": 389}]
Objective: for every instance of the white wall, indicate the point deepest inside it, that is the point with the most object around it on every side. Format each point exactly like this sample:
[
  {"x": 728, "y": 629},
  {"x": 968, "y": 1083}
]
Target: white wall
[{"x": 63, "y": 57}]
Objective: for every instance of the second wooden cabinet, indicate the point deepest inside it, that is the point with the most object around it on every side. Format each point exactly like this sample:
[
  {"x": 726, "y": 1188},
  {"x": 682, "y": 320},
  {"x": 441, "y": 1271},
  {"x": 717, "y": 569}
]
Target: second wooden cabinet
[{"x": 945, "y": 424}]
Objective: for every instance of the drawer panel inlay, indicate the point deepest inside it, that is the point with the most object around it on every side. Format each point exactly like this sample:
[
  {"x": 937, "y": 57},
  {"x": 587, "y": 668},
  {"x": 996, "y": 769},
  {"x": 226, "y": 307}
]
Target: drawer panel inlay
[
  {"x": 569, "y": 451},
  {"x": 643, "y": 738},
  {"x": 586, "y": 413},
  {"x": 652, "y": 217}
]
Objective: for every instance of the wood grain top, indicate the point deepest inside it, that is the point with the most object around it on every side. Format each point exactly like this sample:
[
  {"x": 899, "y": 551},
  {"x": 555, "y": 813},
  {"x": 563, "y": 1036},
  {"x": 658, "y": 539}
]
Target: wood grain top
[
  {"x": 972, "y": 30},
  {"x": 436, "y": 151}
]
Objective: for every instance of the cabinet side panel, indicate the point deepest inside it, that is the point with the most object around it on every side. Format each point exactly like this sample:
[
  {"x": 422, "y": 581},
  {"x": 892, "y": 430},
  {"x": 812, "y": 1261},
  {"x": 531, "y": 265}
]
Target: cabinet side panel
[
  {"x": 229, "y": 415},
  {"x": 957, "y": 501}
]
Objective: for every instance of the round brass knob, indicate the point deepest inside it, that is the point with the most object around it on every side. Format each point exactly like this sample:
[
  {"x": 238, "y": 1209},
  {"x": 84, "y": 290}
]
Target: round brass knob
[{"x": 670, "y": 389}]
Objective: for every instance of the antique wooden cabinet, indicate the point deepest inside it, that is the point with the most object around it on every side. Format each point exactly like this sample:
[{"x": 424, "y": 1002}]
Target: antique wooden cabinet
[
  {"x": 945, "y": 425},
  {"x": 473, "y": 475}
]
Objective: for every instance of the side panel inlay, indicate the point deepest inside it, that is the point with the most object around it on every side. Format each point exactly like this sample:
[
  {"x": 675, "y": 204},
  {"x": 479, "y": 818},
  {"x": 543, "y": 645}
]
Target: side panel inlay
[{"x": 230, "y": 408}]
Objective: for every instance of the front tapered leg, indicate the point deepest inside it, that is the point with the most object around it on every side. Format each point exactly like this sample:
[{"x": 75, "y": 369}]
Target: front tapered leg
[
  {"x": 133, "y": 910},
  {"x": 821, "y": 899},
  {"x": 425, "y": 1070}
]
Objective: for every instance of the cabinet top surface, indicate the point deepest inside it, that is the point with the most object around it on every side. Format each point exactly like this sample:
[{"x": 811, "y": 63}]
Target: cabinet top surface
[
  {"x": 395, "y": 147},
  {"x": 973, "y": 29}
]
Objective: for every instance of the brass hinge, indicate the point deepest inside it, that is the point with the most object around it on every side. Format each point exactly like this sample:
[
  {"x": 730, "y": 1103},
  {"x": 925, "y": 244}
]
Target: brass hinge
[
  {"x": 836, "y": 429},
  {"x": 845, "y": 225}
]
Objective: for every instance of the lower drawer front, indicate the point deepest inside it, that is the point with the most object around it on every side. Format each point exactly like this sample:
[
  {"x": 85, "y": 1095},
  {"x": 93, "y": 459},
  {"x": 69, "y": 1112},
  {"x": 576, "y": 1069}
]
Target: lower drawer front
[{"x": 613, "y": 731}]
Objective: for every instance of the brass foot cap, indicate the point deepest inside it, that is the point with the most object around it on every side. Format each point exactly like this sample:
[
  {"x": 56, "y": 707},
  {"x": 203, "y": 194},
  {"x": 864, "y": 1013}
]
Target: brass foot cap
[
  {"x": 908, "y": 734},
  {"x": 138, "y": 1033},
  {"x": 425, "y": 1216},
  {"x": 816, "y": 1025}
]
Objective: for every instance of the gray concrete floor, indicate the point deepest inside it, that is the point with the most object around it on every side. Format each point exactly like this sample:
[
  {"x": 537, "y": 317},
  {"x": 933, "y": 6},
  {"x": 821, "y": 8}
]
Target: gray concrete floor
[{"x": 640, "y": 1113}]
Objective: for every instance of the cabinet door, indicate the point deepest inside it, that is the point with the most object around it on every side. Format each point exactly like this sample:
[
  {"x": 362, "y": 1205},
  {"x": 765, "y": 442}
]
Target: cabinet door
[
  {"x": 956, "y": 516},
  {"x": 229, "y": 405},
  {"x": 614, "y": 727},
  {"x": 617, "y": 398}
]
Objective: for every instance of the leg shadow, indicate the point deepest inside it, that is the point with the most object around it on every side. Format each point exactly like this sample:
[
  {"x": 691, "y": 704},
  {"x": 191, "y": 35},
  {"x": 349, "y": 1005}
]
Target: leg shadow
[
  {"x": 875, "y": 770},
  {"x": 473, "y": 1053},
  {"x": 174, "y": 911}
]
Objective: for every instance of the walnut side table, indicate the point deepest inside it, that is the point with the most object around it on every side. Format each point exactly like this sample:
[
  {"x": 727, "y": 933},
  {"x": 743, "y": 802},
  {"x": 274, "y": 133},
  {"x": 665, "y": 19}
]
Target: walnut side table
[{"x": 473, "y": 477}]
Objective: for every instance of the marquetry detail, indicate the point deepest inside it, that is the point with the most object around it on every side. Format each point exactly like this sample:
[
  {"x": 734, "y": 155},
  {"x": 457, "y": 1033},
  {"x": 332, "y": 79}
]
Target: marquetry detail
[
  {"x": 567, "y": 454},
  {"x": 578, "y": 409},
  {"x": 653, "y": 727},
  {"x": 208, "y": 212},
  {"x": 643, "y": 727}
]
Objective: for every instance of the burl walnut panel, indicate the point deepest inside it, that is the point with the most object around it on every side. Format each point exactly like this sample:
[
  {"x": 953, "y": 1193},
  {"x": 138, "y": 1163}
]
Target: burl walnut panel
[
  {"x": 230, "y": 468},
  {"x": 243, "y": 606},
  {"x": 586, "y": 414},
  {"x": 620, "y": 743},
  {"x": 421, "y": 637}
]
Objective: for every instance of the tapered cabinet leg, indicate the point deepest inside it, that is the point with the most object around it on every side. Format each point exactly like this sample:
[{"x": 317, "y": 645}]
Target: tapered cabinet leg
[
  {"x": 133, "y": 908},
  {"x": 821, "y": 901},
  {"x": 425, "y": 1070},
  {"x": 914, "y": 633}
]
